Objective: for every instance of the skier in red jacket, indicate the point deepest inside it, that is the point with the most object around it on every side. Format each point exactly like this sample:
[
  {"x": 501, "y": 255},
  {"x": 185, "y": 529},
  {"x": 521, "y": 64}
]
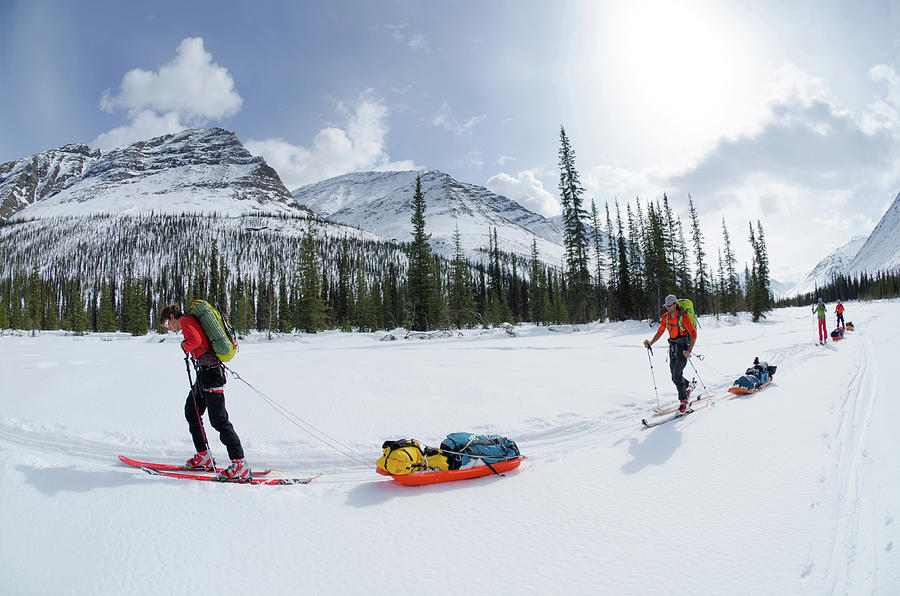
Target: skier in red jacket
[
  {"x": 207, "y": 392},
  {"x": 682, "y": 337}
]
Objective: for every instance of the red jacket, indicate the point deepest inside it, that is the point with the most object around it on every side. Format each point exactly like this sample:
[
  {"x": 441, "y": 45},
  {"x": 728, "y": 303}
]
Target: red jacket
[
  {"x": 195, "y": 341},
  {"x": 672, "y": 325}
]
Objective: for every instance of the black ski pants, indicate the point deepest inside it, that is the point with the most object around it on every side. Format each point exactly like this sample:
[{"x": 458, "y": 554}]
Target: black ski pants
[
  {"x": 677, "y": 362},
  {"x": 199, "y": 400}
]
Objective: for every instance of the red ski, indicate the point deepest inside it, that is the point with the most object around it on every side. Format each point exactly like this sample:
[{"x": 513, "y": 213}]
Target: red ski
[
  {"x": 173, "y": 467},
  {"x": 210, "y": 478}
]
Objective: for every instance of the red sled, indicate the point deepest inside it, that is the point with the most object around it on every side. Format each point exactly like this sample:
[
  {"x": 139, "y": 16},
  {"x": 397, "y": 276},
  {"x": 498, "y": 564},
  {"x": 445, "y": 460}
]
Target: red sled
[
  {"x": 421, "y": 478},
  {"x": 744, "y": 391}
]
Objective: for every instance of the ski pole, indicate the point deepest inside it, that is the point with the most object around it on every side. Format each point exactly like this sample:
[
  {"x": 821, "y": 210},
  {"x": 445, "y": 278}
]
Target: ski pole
[
  {"x": 187, "y": 366},
  {"x": 698, "y": 376},
  {"x": 652, "y": 374}
]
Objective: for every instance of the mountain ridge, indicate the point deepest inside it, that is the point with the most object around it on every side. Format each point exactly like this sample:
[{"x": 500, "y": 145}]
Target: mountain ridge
[
  {"x": 381, "y": 203},
  {"x": 193, "y": 171}
]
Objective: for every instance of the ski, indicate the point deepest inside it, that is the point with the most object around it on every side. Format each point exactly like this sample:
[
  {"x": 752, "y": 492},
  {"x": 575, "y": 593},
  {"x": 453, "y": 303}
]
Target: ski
[
  {"x": 267, "y": 481},
  {"x": 648, "y": 424},
  {"x": 668, "y": 410},
  {"x": 175, "y": 468},
  {"x": 671, "y": 409}
]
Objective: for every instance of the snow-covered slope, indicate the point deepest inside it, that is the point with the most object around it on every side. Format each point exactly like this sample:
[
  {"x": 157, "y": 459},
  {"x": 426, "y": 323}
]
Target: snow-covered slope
[
  {"x": 879, "y": 252},
  {"x": 834, "y": 264},
  {"x": 381, "y": 202},
  {"x": 794, "y": 490},
  {"x": 28, "y": 180},
  {"x": 194, "y": 171},
  {"x": 780, "y": 289},
  {"x": 882, "y": 249}
]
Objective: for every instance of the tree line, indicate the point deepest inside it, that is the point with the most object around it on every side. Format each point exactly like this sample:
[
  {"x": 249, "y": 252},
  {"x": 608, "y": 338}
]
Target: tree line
[
  {"x": 622, "y": 268},
  {"x": 862, "y": 286}
]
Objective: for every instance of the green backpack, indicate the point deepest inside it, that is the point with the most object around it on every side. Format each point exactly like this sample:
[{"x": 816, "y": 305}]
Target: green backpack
[
  {"x": 688, "y": 307},
  {"x": 221, "y": 335}
]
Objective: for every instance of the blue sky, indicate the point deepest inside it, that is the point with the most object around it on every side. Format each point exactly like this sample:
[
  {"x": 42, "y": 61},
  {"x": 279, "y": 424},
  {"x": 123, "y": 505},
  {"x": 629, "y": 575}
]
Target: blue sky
[{"x": 784, "y": 112}]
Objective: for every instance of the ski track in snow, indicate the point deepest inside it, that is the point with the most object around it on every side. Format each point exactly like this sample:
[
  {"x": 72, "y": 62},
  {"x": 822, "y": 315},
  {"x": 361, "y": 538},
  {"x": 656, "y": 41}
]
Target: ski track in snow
[
  {"x": 846, "y": 560},
  {"x": 852, "y": 415}
]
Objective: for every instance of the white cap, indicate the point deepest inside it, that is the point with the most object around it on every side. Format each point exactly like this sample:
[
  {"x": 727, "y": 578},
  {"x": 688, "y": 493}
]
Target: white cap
[{"x": 671, "y": 299}]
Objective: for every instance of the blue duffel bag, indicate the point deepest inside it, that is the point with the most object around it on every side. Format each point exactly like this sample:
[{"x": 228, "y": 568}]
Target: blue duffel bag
[{"x": 462, "y": 449}]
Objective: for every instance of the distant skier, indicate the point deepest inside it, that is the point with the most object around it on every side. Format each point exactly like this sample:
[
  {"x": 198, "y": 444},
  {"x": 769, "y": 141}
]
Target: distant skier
[
  {"x": 682, "y": 337},
  {"x": 820, "y": 310},
  {"x": 207, "y": 392},
  {"x": 839, "y": 313}
]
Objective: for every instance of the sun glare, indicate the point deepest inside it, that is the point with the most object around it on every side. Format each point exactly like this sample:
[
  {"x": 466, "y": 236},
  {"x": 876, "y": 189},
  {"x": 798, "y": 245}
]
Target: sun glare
[{"x": 677, "y": 70}]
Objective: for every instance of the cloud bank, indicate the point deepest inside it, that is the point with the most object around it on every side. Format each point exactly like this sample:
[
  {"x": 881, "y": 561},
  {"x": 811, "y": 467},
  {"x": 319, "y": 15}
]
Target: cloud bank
[
  {"x": 527, "y": 191},
  {"x": 359, "y": 146},
  {"x": 188, "y": 91},
  {"x": 809, "y": 169}
]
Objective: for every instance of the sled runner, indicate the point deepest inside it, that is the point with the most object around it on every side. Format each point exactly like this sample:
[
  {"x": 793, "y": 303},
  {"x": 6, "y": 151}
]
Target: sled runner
[{"x": 744, "y": 391}]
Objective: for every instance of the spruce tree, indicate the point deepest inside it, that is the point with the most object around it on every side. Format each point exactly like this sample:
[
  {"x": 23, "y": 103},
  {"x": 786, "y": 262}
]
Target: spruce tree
[
  {"x": 575, "y": 238},
  {"x": 731, "y": 282},
  {"x": 4, "y": 304},
  {"x": 762, "y": 264},
  {"x": 419, "y": 264},
  {"x": 612, "y": 260},
  {"x": 461, "y": 307},
  {"x": 702, "y": 295},
  {"x": 599, "y": 288},
  {"x": 625, "y": 295}
]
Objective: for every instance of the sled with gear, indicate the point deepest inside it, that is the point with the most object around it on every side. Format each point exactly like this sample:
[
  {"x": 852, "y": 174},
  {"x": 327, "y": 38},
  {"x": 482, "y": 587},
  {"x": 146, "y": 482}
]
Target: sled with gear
[
  {"x": 460, "y": 456},
  {"x": 754, "y": 378},
  {"x": 837, "y": 334}
]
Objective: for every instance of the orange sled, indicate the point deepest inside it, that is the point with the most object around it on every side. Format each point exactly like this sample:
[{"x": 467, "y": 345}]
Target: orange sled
[
  {"x": 420, "y": 478},
  {"x": 744, "y": 391}
]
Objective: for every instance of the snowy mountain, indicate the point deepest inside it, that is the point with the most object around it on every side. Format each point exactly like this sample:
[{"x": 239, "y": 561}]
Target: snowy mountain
[
  {"x": 779, "y": 288},
  {"x": 25, "y": 181},
  {"x": 194, "y": 171},
  {"x": 882, "y": 249},
  {"x": 381, "y": 203},
  {"x": 879, "y": 252},
  {"x": 835, "y": 263}
]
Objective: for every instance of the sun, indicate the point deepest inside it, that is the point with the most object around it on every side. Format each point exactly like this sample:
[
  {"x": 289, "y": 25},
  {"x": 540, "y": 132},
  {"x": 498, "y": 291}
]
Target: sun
[{"x": 673, "y": 71}]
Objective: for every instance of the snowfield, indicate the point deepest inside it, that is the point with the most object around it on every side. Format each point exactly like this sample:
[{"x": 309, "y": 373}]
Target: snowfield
[{"x": 793, "y": 490}]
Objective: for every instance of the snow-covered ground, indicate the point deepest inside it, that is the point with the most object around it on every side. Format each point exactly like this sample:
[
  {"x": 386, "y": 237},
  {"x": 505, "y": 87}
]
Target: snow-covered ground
[{"x": 795, "y": 490}]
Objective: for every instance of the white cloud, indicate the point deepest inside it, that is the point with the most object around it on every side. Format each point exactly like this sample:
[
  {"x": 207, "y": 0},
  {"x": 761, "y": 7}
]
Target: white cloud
[
  {"x": 359, "y": 146},
  {"x": 187, "y": 91},
  {"x": 815, "y": 174},
  {"x": 145, "y": 124},
  {"x": 445, "y": 119},
  {"x": 415, "y": 41},
  {"x": 191, "y": 85},
  {"x": 527, "y": 191},
  {"x": 505, "y": 158}
]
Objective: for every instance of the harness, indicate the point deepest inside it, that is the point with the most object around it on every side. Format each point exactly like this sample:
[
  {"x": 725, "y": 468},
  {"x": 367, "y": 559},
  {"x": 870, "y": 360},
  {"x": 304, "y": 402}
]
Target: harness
[{"x": 679, "y": 322}]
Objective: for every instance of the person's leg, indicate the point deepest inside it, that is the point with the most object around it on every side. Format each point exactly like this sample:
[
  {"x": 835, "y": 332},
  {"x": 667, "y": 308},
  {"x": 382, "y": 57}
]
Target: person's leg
[
  {"x": 218, "y": 418},
  {"x": 677, "y": 362},
  {"x": 193, "y": 413}
]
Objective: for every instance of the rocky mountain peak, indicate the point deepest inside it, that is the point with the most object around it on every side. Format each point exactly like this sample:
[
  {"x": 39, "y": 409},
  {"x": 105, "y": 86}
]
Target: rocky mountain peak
[{"x": 195, "y": 170}]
